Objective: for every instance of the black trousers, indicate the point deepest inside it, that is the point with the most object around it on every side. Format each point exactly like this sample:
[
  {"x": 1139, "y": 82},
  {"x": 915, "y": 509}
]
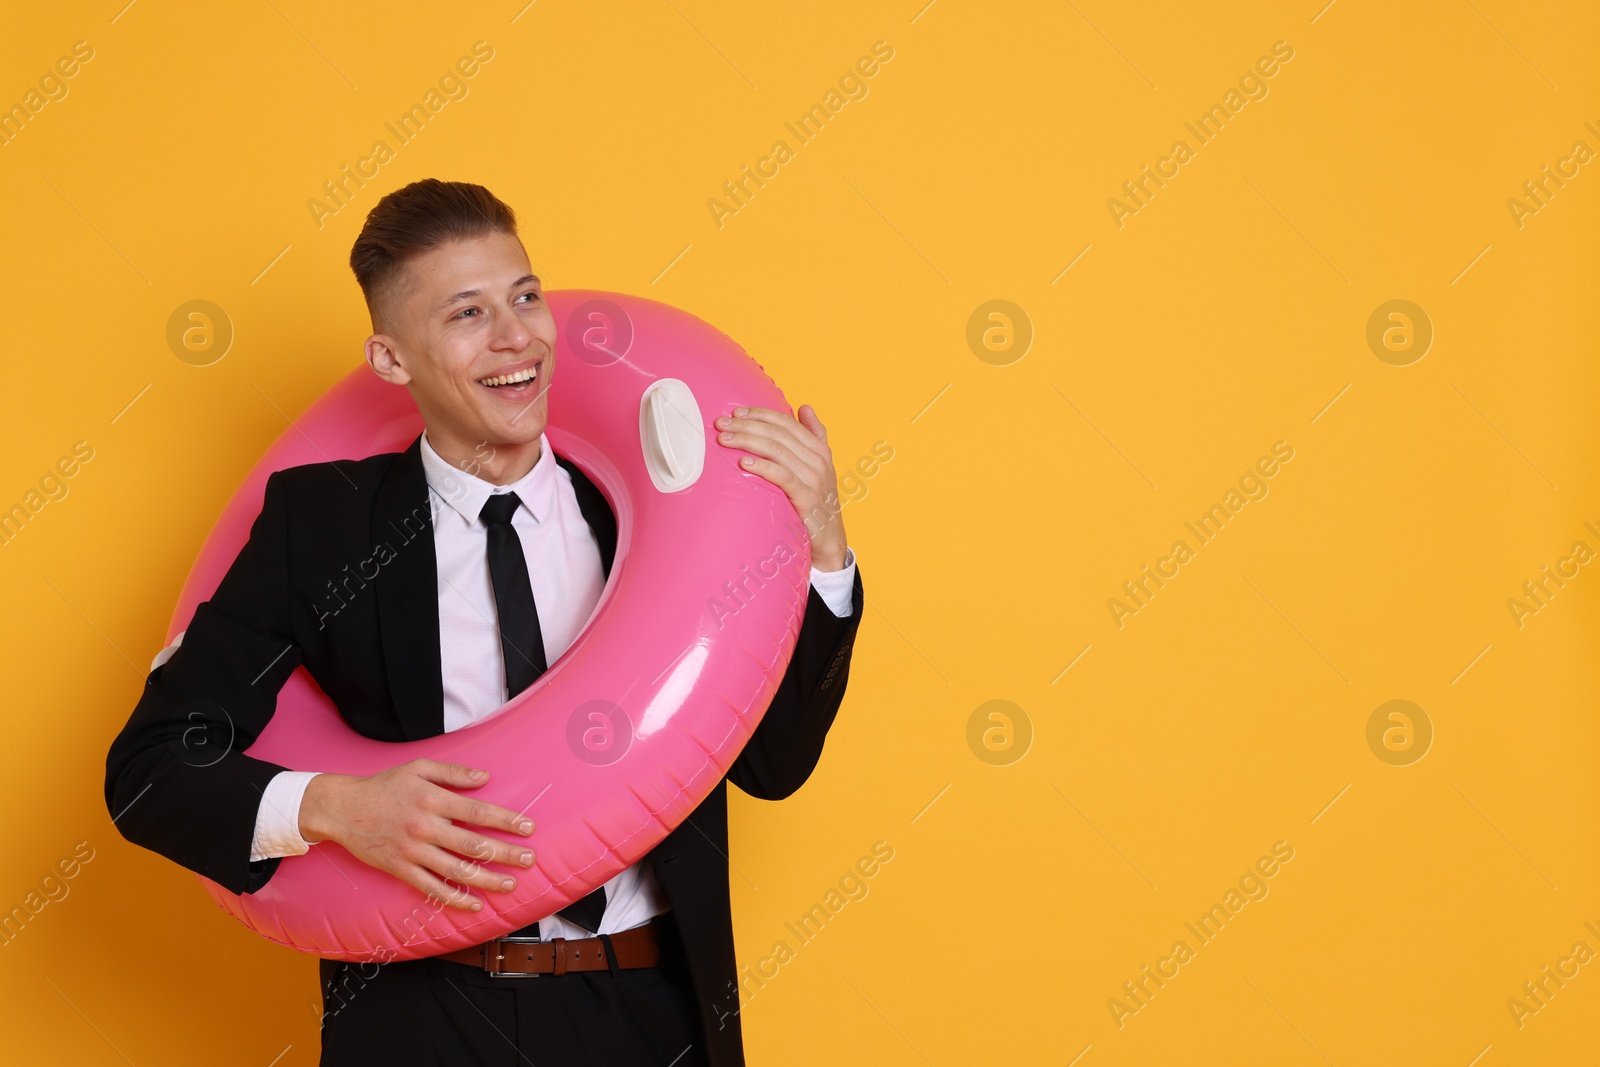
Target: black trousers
[{"x": 432, "y": 1011}]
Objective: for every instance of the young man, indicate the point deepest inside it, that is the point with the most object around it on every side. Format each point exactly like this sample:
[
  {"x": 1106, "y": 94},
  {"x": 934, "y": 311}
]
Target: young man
[{"x": 511, "y": 561}]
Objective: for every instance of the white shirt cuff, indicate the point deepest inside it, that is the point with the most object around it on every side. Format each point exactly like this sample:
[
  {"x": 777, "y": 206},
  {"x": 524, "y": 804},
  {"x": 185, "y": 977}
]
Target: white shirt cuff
[
  {"x": 835, "y": 587},
  {"x": 166, "y": 653},
  {"x": 278, "y": 817}
]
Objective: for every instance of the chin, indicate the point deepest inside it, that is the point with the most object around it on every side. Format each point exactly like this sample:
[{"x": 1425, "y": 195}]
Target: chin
[{"x": 525, "y": 430}]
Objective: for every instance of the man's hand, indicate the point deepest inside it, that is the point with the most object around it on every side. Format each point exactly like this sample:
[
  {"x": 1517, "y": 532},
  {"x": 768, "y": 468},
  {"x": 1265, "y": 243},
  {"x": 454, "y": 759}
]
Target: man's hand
[
  {"x": 794, "y": 456},
  {"x": 399, "y": 821}
]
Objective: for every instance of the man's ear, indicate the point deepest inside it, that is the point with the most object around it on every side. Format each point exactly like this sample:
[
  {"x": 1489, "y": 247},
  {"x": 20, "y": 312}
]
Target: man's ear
[{"x": 383, "y": 357}]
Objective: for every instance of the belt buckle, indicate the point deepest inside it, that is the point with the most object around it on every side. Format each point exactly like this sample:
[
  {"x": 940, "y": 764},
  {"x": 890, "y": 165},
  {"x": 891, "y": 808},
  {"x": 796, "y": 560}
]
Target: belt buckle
[{"x": 523, "y": 939}]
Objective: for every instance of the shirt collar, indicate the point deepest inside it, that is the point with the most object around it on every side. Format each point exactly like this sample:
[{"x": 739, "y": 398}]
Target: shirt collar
[{"x": 467, "y": 493}]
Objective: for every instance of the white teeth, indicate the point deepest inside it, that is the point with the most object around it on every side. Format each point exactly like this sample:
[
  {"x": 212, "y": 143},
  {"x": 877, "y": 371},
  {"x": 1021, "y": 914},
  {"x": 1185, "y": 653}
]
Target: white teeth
[{"x": 508, "y": 379}]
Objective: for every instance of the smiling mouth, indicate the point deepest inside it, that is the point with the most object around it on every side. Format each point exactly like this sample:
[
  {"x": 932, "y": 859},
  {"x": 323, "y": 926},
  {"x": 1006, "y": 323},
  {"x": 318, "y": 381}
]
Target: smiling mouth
[{"x": 516, "y": 383}]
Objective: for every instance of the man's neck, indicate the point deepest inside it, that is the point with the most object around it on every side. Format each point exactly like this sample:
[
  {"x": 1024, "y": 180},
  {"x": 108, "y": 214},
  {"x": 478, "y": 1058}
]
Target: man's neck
[{"x": 495, "y": 464}]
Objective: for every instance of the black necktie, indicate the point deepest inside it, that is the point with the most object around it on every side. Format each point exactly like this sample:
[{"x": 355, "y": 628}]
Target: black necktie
[{"x": 522, "y": 642}]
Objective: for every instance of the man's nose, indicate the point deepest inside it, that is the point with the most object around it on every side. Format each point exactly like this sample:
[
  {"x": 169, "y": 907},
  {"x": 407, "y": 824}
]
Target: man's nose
[{"x": 510, "y": 331}]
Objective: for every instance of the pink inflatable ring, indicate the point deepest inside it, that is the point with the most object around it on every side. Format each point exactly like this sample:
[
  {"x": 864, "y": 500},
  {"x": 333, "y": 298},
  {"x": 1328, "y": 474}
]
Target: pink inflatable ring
[{"x": 636, "y": 723}]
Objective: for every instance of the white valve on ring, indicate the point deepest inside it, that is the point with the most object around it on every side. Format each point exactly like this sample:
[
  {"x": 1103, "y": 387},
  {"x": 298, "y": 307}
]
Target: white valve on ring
[{"x": 672, "y": 434}]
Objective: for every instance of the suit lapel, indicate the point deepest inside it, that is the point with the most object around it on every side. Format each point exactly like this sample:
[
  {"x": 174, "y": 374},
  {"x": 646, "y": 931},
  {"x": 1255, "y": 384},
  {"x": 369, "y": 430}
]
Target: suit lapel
[
  {"x": 408, "y": 596},
  {"x": 596, "y": 512},
  {"x": 408, "y": 584}
]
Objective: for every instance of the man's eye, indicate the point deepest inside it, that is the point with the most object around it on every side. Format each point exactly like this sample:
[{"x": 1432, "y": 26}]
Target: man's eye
[
  {"x": 533, "y": 294},
  {"x": 464, "y": 311}
]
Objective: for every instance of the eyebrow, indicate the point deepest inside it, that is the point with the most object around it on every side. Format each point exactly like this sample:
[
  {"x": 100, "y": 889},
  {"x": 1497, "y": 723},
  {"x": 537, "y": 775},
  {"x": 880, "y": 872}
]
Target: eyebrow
[{"x": 470, "y": 294}]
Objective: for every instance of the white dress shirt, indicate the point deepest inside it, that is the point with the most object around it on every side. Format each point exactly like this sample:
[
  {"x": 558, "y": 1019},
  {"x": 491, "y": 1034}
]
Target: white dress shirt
[{"x": 565, "y": 570}]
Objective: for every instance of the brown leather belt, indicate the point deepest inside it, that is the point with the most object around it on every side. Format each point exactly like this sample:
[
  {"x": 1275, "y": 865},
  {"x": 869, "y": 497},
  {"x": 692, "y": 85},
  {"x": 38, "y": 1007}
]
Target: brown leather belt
[{"x": 527, "y": 957}]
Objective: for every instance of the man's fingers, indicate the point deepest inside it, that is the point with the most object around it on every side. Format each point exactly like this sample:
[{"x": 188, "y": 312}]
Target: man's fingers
[
  {"x": 781, "y": 425},
  {"x": 777, "y": 474},
  {"x": 774, "y": 444},
  {"x": 482, "y": 813},
  {"x": 402, "y": 823},
  {"x": 454, "y": 774},
  {"x": 466, "y": 809},
  {"x": 805, "y": 477},
  {"x": 464, "y": 871},
  {"x": 808, "y": 418},
  {"x": 481, "y": 849},
  {"x": 420, "y": 878}
]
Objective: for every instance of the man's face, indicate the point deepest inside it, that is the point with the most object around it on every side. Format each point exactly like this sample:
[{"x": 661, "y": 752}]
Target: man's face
[{"x": 468, "y": 313}]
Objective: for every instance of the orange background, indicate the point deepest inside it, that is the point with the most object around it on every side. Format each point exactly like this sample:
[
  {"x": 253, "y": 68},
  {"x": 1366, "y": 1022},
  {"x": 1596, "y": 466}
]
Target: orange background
[{"x": 1139, "y": 772}]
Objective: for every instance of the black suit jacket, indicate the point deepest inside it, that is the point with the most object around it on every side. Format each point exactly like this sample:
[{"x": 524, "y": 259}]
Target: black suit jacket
[{"x": 339, "y": 575}]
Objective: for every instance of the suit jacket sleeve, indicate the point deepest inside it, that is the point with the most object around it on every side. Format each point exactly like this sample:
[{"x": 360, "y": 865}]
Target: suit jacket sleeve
[
  {"x": 787, "y": 744},
  {"x": 177, "y": 779}
]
